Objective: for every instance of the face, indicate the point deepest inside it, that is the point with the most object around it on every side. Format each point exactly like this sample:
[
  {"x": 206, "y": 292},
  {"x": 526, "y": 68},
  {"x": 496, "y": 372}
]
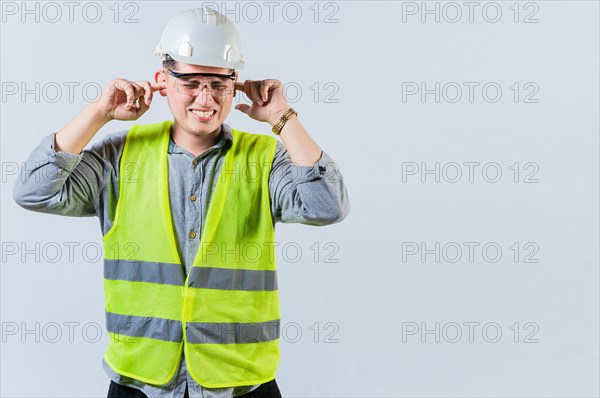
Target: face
[{"x": 200, "y": 115}]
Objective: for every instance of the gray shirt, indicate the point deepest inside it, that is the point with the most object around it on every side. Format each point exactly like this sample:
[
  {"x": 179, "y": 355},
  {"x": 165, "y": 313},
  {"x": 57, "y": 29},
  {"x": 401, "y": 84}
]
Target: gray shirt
[{"x": 88, "y": 185}]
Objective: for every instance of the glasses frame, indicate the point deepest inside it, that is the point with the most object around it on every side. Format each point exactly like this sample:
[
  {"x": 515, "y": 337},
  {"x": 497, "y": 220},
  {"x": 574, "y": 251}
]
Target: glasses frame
[{"x": 180, "y": 75}]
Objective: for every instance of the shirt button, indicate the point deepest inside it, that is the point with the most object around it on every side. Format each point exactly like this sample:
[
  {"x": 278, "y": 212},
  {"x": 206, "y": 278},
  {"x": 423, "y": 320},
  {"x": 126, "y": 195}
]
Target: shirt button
[
  {"x": 195, "y": 162},
  {"x": 193, "y": 197},
  {"x": 192, "y": 234}
]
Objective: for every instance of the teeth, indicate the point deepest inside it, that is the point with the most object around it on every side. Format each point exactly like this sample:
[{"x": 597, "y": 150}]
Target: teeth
[{"x": 202, "y": 114}]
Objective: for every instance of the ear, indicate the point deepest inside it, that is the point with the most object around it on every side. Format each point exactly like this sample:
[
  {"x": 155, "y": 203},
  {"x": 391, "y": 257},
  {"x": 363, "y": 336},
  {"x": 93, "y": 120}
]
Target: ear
[{"x": 159, "y": 77}]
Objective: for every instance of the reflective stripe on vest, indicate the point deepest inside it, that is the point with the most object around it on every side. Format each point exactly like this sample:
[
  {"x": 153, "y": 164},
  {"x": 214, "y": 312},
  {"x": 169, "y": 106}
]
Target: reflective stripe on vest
[
  {"x": 225, "y": 314},
  {"x": 232, "y": 333},
  {"x": 137, "y": 326}
]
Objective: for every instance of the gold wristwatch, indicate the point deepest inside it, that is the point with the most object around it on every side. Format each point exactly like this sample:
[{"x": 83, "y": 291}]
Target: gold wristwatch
[{"x": 283, "y": 120}]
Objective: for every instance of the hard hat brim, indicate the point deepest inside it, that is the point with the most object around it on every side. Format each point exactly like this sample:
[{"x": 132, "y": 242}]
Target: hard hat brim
[{"x": 217, "y": 63}]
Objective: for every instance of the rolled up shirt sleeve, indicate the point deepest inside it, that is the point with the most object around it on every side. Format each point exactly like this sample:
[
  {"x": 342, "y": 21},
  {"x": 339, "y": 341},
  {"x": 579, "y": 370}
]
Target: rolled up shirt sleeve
[{"x": 313, "y": 195}]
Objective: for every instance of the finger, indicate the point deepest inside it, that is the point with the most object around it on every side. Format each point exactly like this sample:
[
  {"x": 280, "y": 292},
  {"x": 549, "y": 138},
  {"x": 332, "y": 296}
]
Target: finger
[
  {"x": 149, "y": 94},
  {"x": 130, "y": 93},
  {"x": 138, "y": 93},
  {"x": 243, "y": 108},
  {"x": 139, "y": 89},
  {"x": 119, "y": 86},
  {"x": 239, "y": 85},
  {"x": 264, "y": 90},
  {"x": 146, "y": 86},
  {"x": 255, "y": 93},
  {"x": 158, "y": 86},
  {"x": 143, "y": 107},
  {"x": 127, "y": 87}
]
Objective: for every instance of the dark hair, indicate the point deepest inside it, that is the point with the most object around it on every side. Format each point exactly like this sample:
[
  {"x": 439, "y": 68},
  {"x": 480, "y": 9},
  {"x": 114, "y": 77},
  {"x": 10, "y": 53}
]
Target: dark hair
[{"x": 169, "y": 63}]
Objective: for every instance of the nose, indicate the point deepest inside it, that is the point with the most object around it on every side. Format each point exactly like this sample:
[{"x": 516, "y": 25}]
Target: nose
[{"x": 204, "y": 96}]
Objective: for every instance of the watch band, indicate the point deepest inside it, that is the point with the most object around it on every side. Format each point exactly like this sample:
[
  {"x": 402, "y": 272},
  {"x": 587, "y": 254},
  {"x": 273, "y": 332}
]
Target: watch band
[{"x": 283, "y": 120}]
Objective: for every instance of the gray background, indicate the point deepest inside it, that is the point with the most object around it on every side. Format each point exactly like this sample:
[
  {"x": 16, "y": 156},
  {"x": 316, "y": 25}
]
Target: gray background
[{"x": 361, "y": 297}]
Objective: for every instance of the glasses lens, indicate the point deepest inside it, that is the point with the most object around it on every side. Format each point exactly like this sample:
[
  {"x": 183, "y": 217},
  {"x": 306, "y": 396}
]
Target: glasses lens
[{"x": 192, "y": 87}]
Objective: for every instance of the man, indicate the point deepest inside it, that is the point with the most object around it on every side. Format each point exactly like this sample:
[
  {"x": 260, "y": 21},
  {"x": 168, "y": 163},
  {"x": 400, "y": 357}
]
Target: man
[{"x": 187, "y": 210}]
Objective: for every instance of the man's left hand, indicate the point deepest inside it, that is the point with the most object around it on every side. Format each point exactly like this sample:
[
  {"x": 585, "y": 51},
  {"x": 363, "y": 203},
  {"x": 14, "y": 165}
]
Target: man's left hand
[{"x": 268, "y": 100}]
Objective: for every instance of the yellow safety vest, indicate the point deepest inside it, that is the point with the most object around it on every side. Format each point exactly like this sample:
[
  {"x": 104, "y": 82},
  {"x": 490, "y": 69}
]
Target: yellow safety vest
[{"x": 225, "y": 313}]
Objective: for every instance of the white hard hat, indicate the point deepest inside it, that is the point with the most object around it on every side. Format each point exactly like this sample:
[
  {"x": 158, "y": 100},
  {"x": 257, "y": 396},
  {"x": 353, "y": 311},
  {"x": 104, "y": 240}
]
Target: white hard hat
[{"x": 201, "y": 37}]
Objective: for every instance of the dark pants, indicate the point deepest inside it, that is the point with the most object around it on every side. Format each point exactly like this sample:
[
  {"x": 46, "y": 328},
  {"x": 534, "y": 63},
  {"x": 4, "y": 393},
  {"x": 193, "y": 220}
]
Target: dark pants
[{"x": 266, "y": 390}]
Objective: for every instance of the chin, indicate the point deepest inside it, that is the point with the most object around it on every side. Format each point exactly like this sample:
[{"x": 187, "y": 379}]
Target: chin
[{"x": 204, "y": 130}]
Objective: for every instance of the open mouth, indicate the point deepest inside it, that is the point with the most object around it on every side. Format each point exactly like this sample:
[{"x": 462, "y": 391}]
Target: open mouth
[{"x": 203, "y": 115}]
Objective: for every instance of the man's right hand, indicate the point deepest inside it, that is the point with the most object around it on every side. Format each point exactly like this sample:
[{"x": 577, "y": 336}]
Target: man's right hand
[
  {"x": 126, "y": 100},
  {"x": 119, "y": 100}
]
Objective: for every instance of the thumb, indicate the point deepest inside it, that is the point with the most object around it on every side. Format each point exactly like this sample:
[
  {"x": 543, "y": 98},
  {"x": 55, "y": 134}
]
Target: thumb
[{"x": 243, "y": 108}]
